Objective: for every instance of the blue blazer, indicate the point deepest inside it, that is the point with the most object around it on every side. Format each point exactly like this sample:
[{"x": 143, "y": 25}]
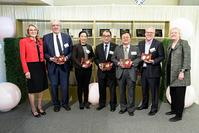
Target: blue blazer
[{"x": 49, "y": 50}]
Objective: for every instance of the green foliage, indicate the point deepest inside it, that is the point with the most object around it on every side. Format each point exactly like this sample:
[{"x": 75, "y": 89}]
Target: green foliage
[
  {"x": 165, "y": 43},
  {"x": 14, "y": 72}
]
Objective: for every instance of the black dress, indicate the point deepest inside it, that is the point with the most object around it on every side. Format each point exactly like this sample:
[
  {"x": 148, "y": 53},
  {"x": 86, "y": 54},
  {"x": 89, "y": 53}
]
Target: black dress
[{"x": 38, "y": 81}]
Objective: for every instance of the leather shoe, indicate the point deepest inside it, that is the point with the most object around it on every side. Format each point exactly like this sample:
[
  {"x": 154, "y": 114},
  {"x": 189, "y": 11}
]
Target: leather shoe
[
  {"x": 170, "y": 113},
  {"x": 81, "y": 106},
  {"x": 175, "y": 119},
  {"x": 100, "y": 107},
  {"x": 142, "y": 107},
  {"x": 56, "y": 109},
  {"x": 36, "y": 114},
  {"x": 131, "y": 113},
  {"x": 122, "y": 111},
  {"x": 152, "y": 112},
  {"x": 67, "y": 108},
  {"x": 41, "y": 112},
  {"x": 112, "y": 109}
]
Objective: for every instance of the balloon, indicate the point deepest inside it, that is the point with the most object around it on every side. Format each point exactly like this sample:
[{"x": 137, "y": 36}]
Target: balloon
[
  {"x": 7, "y": 28},
  {"x": 10, "y": 96},
  {"x": 93, "y": 96},
  {"x": 189, "y": 96},
  {"x": 185, "y": 26}
]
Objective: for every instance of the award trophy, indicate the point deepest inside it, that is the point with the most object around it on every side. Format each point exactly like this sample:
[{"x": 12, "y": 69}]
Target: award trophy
[
  {"x": 106, "y": 66},
  {"x": 60, "y": 59},
  {"x": 126, "y": 63},
  {"x": 86, "y": 62},
  {"x": 146, "y": 57}
]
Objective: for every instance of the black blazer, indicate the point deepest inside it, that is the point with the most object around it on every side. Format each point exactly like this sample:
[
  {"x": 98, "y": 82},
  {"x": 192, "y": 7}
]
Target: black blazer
[
  {"x": 153, "y": 69},
  {"x": 78, "y": 54},
  {"x": 100, "y": 58}
]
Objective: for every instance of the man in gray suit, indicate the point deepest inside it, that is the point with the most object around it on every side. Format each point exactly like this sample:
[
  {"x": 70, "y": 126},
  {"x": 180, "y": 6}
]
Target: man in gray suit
[{"x": 126, "y": 59}]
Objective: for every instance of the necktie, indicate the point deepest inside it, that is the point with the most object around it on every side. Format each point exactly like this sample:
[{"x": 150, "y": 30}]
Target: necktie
[
  {"x": 105, "y": 50},
  {"x": 126, "y": 53},
  {"x": 59, "y": 46}
]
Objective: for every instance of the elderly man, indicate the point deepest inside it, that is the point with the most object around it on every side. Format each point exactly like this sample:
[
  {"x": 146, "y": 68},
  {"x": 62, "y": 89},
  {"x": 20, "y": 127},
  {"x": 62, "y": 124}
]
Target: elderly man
[
  {"x": 152, "y": 55},
  {"x": 57, "y": 50}
]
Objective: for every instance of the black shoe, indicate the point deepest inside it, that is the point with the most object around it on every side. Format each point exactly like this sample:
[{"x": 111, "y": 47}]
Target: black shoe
[
  {"x": 170, "y": 113},
  {"x": 112, "y": 109},
  {"x": 131, "y": 113},
  {"x": 81, "y": 106},
  {"x": 41, "y": 112},
  {"x": 66, "y": 107},
  {"x": 36, "y": 114},
  {"x": 122, "y": 111},
  {"x": 100, "y": 107},
  {"x": 56, "y": 108},
  {"x": 152, "y": 112},
  {"x": 87, "y": 105},
  {"x": 175, "y": 119},
  {"x": 142, "y": 107}
]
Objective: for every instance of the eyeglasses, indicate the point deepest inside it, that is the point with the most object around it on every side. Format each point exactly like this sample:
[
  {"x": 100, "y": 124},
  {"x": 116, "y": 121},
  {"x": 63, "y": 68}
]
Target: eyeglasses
[{"x": 149, "y": 32}]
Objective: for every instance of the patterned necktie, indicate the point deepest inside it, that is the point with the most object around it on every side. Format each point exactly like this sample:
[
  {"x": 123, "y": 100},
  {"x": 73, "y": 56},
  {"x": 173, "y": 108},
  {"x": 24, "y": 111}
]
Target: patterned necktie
[
  {"x": 59, "y": 46},
  {"x": 126, "y": 52}
]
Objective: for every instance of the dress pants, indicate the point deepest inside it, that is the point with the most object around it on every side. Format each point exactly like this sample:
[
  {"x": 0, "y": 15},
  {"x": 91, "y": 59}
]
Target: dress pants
[
  {"x": 109, "y": 81},
  {"x": 153, "y": 84},
  {"x": 177, "y": 99},
  {"x": 60, "y": 77},
  {"x": 83, "y": 79},
  {"x": 125, "y": 81}
]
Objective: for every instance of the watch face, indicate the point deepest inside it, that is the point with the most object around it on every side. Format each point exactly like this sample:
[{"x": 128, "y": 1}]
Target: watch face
[{"x": 139, "y": 2}]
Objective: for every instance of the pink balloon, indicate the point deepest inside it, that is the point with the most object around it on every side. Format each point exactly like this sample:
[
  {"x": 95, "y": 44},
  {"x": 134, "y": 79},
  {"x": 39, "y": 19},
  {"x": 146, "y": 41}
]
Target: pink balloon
[{"x": 10, "y": 96}]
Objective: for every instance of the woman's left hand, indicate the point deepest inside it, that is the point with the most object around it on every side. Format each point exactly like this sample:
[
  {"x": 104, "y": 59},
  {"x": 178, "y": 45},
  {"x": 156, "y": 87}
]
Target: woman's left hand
[{"x": 181, "y": 76}]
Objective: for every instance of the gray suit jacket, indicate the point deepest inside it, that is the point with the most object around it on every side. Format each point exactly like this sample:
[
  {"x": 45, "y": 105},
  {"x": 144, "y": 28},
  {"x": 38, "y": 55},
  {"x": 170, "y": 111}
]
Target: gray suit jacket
[
  {"x": 180, "y": 59},
  {"x": 134, "y": 55}
]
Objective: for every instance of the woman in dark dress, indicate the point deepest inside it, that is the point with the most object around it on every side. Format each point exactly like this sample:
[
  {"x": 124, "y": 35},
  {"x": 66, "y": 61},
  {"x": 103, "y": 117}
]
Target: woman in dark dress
[
  {"x": 32, "y": 59},
  {"x": 82, "y": 57}
]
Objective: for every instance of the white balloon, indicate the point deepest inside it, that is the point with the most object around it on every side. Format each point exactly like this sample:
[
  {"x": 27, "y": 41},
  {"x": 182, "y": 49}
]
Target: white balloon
[
  {"x": 10, "y": 96},
  {"x": 7, "y": 28},
  {"x": 185, "y": 26},
  {"x": 189, "y": 96},
  {"x": 93, "y": 96}
]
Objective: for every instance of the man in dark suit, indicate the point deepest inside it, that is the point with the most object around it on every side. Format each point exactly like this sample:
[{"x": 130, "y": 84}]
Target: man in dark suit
[
  {"x": 106, "y": 75},
  {"x": 57, "y": 50},
  {"x": 150, "y": 69},
  {"x": 126, "y": 57}
]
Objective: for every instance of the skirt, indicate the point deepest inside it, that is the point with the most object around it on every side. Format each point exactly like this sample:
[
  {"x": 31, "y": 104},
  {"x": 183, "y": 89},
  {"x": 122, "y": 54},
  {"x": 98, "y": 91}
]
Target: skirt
[{"x": 38, "y": 81}]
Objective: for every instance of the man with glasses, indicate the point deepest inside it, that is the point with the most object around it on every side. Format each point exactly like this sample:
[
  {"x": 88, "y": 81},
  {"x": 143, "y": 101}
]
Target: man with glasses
[
  {"x": 106, "y": 70},
  {"x": 152, "y": 55}
]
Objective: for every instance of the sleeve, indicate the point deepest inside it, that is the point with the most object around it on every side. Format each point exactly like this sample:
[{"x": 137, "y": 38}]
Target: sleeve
[
  {"x": 70, "y": 47},
  {"x": 161, "y": 54},
  {"x": 186, "y": 56},
  {"x": 114, "y": 58},
  {"x": 137, "y": 61},
  {"x": 46, "y": 53},
  {"x": 96, "y": 56},
  {"x": 23, "y": 51},
  {"x": 74, "y": 56}
]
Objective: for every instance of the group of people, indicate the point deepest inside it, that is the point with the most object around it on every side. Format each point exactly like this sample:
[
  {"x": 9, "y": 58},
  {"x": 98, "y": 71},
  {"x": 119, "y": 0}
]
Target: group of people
[{"x": 115, "y": 63}]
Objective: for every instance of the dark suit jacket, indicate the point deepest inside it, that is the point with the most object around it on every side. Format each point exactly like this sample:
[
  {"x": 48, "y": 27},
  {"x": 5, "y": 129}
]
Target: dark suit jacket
[
  {"x": 78, "y": 54},
  {"x": 100, "y": 58},
  {"x": 49, "y": 50},
  {"x": 153, "y": 69},
  {"x": 134, "y": 55}
]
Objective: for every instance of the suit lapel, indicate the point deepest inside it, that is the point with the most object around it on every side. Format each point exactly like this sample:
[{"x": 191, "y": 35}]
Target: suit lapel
[{"x": 51, "y": 40}]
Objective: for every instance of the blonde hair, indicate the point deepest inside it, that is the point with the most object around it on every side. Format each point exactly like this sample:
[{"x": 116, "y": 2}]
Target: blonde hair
[{"x": 28, "y": 35}]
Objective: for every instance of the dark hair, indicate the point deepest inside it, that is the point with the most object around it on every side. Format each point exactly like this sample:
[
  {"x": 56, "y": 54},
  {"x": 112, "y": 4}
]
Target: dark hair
[
  {"x": 83, "y": 32},
  {"x": 107, "y": 31},
  {"x": 125, "y": 33}
]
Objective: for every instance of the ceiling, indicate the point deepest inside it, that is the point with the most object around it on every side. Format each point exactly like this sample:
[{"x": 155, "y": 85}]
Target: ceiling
[{"x": 96, "y": 2}]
